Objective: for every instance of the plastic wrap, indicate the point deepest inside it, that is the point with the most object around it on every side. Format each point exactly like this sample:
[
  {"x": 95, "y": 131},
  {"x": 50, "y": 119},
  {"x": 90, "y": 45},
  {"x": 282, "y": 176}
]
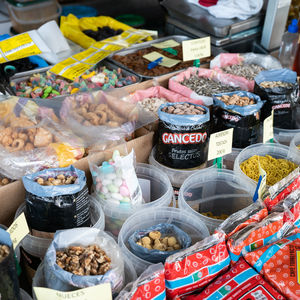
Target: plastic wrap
[
  {"x": 61, "y": 280},
  {"x": 193, "y": 268},
  {"x": 283, "y": 100},
  {"x": 228, "y": 59},
  {"x": 156, "y": 256},
  {"x": 150, "y": 285},
  {"x": 50, "y": 208},
  {"x": 243, "y": 119},
  {"x": 176, "y": 87}
]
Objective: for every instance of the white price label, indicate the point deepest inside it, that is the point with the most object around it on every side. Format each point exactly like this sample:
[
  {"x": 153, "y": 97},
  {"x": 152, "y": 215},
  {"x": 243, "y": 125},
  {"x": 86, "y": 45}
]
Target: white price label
[{"x": 268, "y": 128}]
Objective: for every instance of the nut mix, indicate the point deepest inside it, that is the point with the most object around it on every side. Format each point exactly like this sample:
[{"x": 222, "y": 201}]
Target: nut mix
[
  {"x": 83, "y": 261},
  {"x": 205, "y": 86},
  {"x": 4, "y": 181},
  {"x": 4, "y": 251},
  {"x": 272, "y": 84},
  {"x": 184, "y": 109},
  {"x": 247, "y": 71},
  {"x": 59, "y": 180},
  {"x": 152, "y": 104},
  {"x": 154, "y": 241},
  {"x": 236, "y": 100}
]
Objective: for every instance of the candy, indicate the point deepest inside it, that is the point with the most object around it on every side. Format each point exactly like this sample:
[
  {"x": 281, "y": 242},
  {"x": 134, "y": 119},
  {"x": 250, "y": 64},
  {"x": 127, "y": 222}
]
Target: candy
[
  {"x": 117, "y": 196},
  {"x": 123, "y": 191},
  {"x": 118, "y": 182},
  {"x": 112, "y": 188}
]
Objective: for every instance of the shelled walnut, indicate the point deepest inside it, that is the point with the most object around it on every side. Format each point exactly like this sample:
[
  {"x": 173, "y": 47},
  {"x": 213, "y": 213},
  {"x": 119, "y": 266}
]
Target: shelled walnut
[
  {"x": 4, "y": 251},
  {"x": 83, "y": 261}
]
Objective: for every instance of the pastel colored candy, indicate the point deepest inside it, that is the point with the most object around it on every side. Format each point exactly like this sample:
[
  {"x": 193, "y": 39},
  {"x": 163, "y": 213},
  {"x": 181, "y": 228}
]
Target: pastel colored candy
[
  {"x": 111, "y": 176},
  {"x": 108, "y": 195},
  {"x": 118, "y": 159},
  {"x": 123, "y": 191},
  {"x": 124, "y": 183},
  {"x": 125, "y": 199},
  {"x": 107, "y": 169},
  {"x": 104, "y": 190},
  {"x": 113, "y": 189},
  {"x": 98, "y": 186},
  {"x": 106, "y": 181},
  {"x": 105, "y": 163},
  {"x": 112, "y": 200},
  {"x": 117, "y": 196},
  {"x": 115, "y": 154},
  {"x": 119, "y": 173}
]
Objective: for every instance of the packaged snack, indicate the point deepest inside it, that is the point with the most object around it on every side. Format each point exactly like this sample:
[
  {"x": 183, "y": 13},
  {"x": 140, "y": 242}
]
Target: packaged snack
[
  {"x": 256, "y": 235},
  {"x": 193, "y": 268},
  {"x": 241, "y": 282},
  {"x": 255, "y": 212},
  {"x": 158, "y": 242},
  {"x": 150, "y": 285},
  {"x": 278, "y": 263}
]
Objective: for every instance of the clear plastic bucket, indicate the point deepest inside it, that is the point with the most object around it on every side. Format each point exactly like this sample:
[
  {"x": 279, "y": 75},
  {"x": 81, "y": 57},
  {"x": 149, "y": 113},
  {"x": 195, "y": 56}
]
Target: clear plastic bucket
[
  {"x": 33, "y": 249},
  {"x": 295, "y": 142},
  {"x": 24, "y": 295},
  {"x": 144, "y": 219},
  {"x": 228, "y": 159},
  {"x": 217, "y": 191},
  {"x": 274, "y": 150},
  {"x": 157, "y": 189},
  {"x": 39, "y": 278}
]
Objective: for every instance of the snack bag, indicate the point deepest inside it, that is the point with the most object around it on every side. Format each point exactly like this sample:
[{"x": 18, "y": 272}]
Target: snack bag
[
  {"x": 193, "y": 268},
  {"x": 256, "y": 235},
  {"x": 255, "y": 212},
  {"x": 282, "y": 189},
  {"x": 241, "y": 282},
  {"x": 278, "y": 264},
  {"x": 150, "y": 285}
]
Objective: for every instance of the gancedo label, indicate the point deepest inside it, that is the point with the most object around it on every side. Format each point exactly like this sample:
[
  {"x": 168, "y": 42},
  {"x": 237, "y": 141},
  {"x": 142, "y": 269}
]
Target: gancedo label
[
  {"x": 286, "y": 105},
  {"x": 231, "y": 118},
  {"x": 186, "y": 138}
]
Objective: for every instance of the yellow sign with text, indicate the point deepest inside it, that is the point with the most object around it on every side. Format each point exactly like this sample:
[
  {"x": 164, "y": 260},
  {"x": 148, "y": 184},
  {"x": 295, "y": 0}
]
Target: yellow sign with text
[
  {"x": 268, "y": 128},
  {"x": 166, "y": 44},
  {"x": 166, "y": 62},
  {"x": 196, "y": 49}
]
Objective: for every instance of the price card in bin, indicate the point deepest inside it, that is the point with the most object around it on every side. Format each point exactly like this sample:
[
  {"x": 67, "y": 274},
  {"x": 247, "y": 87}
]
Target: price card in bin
[
  {"x": 268, "y": 128},
  {"x": 220, "y": 144}
]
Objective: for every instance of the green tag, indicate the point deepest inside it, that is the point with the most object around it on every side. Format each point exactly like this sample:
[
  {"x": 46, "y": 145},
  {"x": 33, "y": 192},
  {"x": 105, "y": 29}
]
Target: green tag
[
  {"x": 19, "y": 270},
  {"x": 170, "y": 50},
  {"x": 196, "y": 63},
  {"x": 218, "y": 162}
]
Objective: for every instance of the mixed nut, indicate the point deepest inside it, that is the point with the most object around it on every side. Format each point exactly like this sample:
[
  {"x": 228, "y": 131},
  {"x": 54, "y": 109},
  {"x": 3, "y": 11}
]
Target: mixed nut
[
  {"x": 4, "y": 251},
  {"x": 272, "y": 84},
  {"x": 236, "y": 100},
  {"x": 205, "y": 86},
  {"x": 152, "y": 104},
  {"x": 83, "y": 261},
  {"x": 58, "y": 180},
  {"x": 184, "y": 109},
  {"x": 4, "y": 181},
  {"x": 246, "y": 71},
  {"x": 155, "y": 241}
]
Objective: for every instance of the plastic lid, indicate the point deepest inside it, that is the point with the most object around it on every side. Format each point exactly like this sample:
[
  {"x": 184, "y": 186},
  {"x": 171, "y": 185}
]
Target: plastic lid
[{"x": 293, "y": 28}]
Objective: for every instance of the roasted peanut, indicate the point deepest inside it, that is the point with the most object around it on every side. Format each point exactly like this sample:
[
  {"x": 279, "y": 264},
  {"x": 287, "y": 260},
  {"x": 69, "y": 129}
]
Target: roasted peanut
[{"x": 184, "y": 109}]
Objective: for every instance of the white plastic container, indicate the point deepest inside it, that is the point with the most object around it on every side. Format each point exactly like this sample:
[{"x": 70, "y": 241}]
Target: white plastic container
[
  {"x": 218, "y": 191},
  {"x": 144, "y": 219},
  {"x": 274, "y": 150},
  {"x": 33, "y": 249},
  {"x": 295, "y": 142},
  {"x": 161, "y": 194},
  {"x": 39, "y": 278},
  {"x": 24, "y": 295}
]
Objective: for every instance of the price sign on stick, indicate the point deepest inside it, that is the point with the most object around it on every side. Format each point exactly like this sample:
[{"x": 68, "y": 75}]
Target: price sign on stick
[
  {"x": 220, "y": 144},
  {"x": 268, "y": 128},
  {"x": 196, "y": 49}
]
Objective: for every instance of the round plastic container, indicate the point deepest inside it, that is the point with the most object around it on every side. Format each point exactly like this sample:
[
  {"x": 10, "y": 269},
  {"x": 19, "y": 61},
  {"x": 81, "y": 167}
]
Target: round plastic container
[
  {"x": 218, "y": 191},
  {"x": 24, "y": 295},
  {"x": 157, "y": 184},
  {"x": 34, "y": 248},
  {"x": 28, "y": 15},
  {"x": 80, "y": 11},
  {"x": 228, "y": 159},
  {"x": 274, "y": 150},
  {"x": 295, "y": 142},
  {"x": 144, "y": 219},
  {"x": 39, "y": 278}
]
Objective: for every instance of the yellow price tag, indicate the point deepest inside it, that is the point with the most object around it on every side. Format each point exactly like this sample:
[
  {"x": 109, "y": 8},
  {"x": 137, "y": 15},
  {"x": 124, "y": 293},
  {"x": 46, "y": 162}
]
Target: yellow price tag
[
  {"x": 96, "y": 57},
  {"x": 166, "y": 44},
  {"x": 63, "y": 64},
  {"x": 19, "y": 46},
  {"x": 18, "y": 230},
  {"x": 85, "y": 54},
  {"x": 101, "y": 291},
  {"x": 196, "y": 49},
  {"x": 268, "y": 128},
  {"x": 166, "y": 62},
  {"x": 75, "y": 70},
  {"x": 220, "y": 144}
]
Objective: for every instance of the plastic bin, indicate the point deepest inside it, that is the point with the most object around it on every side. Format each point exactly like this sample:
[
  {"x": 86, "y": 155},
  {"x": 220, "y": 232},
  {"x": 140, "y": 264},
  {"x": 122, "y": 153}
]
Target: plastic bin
[
  {"x": 295, "y": 142},
  {"x": 274, "y": 150},
  {"x": 144, "y": 219},
  {"x": 161, "y": 194},
  {"x": 33, "y": 249},
  {"x": 228, "y": 159},
  {"x": 24, "y": 295},
  {"x": 29, "y": 15},
  {"x": 39, "y": 278},
  {"x": 218, "y": 191}
]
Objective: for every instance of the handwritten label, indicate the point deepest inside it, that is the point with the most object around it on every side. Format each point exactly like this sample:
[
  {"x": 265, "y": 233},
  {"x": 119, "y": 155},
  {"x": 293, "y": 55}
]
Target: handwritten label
[
  {"x": 18, "y": 230},
  {"x": 196, "y": 49},
  {"x": 262, "y": 186},
  {"x": 220, "y": 144},
  {"x": 268, "y": 128},
  {"x": 101, "y": 291},
  {"x": 166, "y": 44},
  {"x": 166, "y": 62}
]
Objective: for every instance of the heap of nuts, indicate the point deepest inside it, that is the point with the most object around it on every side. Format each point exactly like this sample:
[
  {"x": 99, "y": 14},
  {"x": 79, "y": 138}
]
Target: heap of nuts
[
  {"x": 272, "y": 84},
  {"x": 184, "y": 109},
  {"x": 156, "y": 242},
  {"x": 236, "y": 100},
  {"x": 4, "y": 251},
  {"x": 83, "y": 261},
  {"x": 4, "y": 181},
  {"x": 152, "y": 104},
  {"x": 60, "y": 179}
]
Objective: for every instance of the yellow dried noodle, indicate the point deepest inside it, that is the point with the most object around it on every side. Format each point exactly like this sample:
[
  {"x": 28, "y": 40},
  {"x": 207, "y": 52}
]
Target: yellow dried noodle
[{"x": 276, "y": 169}]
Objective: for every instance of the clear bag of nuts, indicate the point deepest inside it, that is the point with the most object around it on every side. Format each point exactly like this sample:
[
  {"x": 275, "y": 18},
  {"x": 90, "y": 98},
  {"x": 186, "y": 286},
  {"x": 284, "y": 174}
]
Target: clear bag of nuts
[
  {"x": 61, "y": 280},
  {"x": 158, "y": 242}
]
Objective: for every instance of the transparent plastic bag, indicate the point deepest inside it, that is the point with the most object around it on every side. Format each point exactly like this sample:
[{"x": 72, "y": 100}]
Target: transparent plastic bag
[{"x": 58, "y": 279}]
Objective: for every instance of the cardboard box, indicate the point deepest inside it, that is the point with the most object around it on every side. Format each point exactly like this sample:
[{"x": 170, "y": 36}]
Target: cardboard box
[{"x": 13, "y": 194}]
